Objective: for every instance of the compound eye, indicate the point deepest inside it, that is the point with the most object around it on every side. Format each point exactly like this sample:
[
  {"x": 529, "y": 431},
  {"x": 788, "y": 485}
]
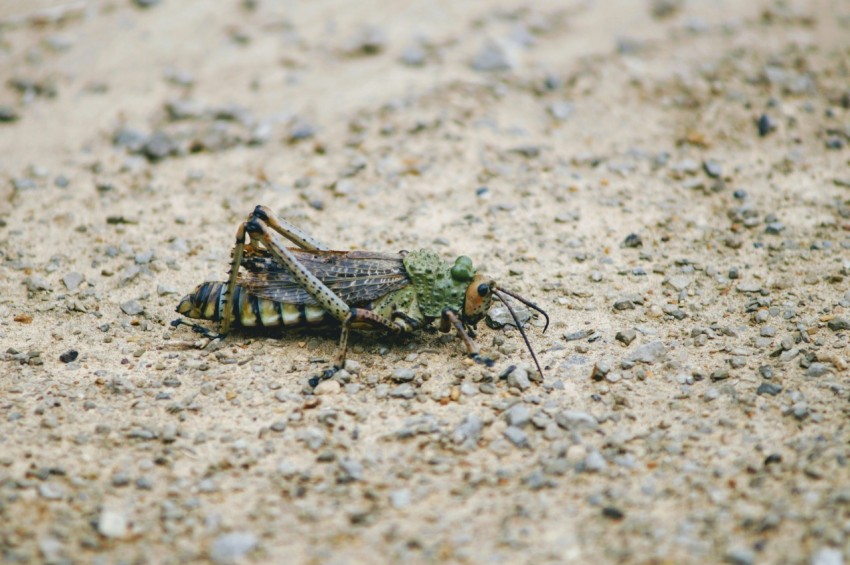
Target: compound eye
[{"x": 483, "y": 289}]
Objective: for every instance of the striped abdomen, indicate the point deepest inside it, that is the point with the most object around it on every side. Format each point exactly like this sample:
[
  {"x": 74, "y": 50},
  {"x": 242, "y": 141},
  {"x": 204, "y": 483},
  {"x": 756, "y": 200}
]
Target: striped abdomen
[{"x": 206, "y": 302}]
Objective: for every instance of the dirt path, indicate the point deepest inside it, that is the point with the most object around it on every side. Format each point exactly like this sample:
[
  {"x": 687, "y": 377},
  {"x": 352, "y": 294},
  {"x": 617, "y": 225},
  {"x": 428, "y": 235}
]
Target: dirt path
[{"x": 669, "y": 180}]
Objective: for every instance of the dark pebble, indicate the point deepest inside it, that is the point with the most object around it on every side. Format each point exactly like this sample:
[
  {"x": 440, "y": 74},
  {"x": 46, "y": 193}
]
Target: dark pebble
[
  {"x": 769, "y": 388},
  {"x": 766, "y": 371},
  {"x": 772, "y": 459},
  {"x": 838, "y": 323},
  {"x": 633, "y": 240},
  {"x": 834, "y": 142},
  {"x": 626, "y": 336},
  {"x": 624, "y": 304},
  {"x": 765, "y": 125},
  {"x": 740, "y": 194},
  {"x": 8, "y": 114},
  {"x": 613, "y": 513},
  {"x": 68, "y": 356}
]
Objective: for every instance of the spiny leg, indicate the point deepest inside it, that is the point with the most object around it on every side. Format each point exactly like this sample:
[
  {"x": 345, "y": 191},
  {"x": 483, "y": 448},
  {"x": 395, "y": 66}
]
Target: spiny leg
[
  {"x": 293, "y": 233},
  {"x": 324, "y": 297},
  {"x": 449, "y": 320},
  {"x": 354, "y": 316},
  {"x": 236, "y": 261}
]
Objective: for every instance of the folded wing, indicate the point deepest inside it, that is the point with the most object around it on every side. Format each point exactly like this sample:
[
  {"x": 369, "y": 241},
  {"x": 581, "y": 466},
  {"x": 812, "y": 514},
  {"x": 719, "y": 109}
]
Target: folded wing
[{"x": 355, "y": 276}]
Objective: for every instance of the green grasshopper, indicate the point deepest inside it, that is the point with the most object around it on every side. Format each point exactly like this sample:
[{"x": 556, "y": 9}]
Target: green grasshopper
[{"x": 310, "y": 285}]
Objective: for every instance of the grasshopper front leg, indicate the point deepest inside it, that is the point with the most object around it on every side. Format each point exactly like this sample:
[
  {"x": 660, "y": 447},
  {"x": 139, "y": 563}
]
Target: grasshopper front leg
[
  {"x": 450, "y": 320},
  {"x": 258, "y": 229}
]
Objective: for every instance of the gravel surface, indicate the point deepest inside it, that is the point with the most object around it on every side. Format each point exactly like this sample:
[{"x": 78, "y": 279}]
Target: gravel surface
[{"x": 668, "y": 179}]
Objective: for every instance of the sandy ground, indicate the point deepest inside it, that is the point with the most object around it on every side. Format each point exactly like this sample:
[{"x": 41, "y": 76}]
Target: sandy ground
[{"x": 669, "y": 180}]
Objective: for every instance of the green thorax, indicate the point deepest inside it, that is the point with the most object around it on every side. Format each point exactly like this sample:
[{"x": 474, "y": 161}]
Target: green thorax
[{"x": 439, "y": 285}]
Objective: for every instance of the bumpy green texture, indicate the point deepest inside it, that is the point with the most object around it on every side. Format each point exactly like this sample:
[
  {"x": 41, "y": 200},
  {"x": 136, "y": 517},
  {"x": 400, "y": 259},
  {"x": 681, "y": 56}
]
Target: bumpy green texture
[{"x": 438, "y": 284}]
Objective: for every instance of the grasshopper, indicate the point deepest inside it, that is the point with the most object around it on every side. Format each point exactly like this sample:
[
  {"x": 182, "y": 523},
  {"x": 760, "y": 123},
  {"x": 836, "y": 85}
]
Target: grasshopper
[{"x": 311, "y": 285}]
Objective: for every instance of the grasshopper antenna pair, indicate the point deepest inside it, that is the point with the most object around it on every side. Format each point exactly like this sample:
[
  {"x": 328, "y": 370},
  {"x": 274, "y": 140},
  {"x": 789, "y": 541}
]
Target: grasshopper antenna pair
[{"x": 499, "y": 293}]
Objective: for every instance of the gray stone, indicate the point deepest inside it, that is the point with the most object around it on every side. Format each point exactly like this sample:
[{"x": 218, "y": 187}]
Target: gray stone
[
  {"x": 594, "y": 462},
  {"x": 516, "y": 436},
  {"x": 72, "y": 280},
  {"x": 741, "y": 556},
  {"x": 468, "y": 432},
  {"x": 403, "y": 375},
  {"x": 350, "y": 470},
  {"x": 132, "y": 308},
  {"x": 827, "y": 556},
  {"x": 36, "y": 283},
  {"x": 403, "y": 391},
  {"x": 818, "y": 370},
  {"x": 112, "y": 524},
  {"x": 500, "y": 316},
  {"x": 838, "y": 323},
  {"x": 653, "y": 352},
  {"x": 748, "y": 287},
  {"x": 679, "y": 282},
  {"x": 400, "y": 498},
  {"x": 519, "y": 379},
  {"x": 575, "y": 420},
  {"x": 769, "y": 388},
  {"x": 166, "y": 289},
  {"x": 493, "y": 56},
  {"x": 50, "y": 491},
  {"x": 626, "y": 336},
  {"x": 517, "y": 416},
  {"x": 712, "y": 168},
  {"x": 229, "y": 548}
]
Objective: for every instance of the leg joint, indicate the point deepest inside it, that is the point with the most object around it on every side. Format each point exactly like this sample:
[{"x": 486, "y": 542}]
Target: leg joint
[{"x": 260, "y": 213}]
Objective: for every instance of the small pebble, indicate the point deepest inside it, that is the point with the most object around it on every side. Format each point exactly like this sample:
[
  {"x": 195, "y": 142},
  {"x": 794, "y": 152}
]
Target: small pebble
[
  {"x": 516, "y": 436},
  {"x": 403, "y": 391},
  {"x": 132, "y": 308},
  {"x": 232, "y": 547},
  {"x": 712, "y": 168},
  {"x": 519, "y": 378},
  {"x": 818, "y": 369},
  {"x": 72, "y": 280},
  {"x": 633, "y": 240},
  {"x": 765, "y": 125},
  {"x": 653, "y": 352},
  {"x": 403, "y": 375},
  {"x": 626, "y": 337},
  {"x": 828, "y": 556},
  {"x": 594, "y": 462},
  {"x": 493, "y": 57},
  {"x": 68, "y": 356},
  {"x": 112, "y": 524},
  {"x": 517, "y": 416},
  {"x": 769, "y": 388},
  {"x": 327, "y": 387}
]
